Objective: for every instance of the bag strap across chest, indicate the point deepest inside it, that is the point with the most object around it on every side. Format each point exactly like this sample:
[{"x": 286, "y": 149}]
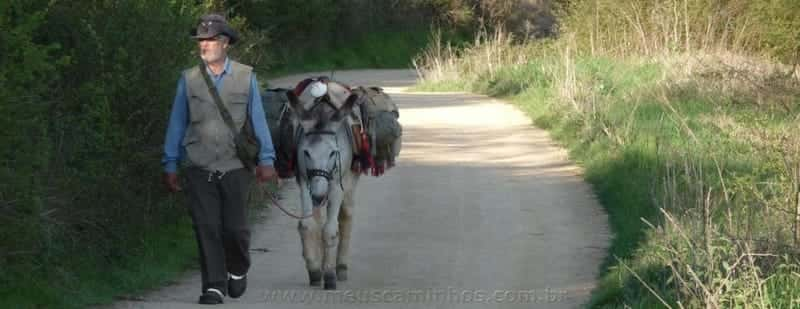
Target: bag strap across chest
[{"x": 226, "y": 115}]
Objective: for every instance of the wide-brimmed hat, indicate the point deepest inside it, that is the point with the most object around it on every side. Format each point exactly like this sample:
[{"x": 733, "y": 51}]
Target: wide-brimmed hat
[{"x": 211, "y": 25}]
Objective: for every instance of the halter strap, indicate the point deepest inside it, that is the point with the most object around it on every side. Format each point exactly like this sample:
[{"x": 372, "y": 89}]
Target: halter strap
[
  {"x": 318, "y": 172},
  {"x": 328, "y": 175}
]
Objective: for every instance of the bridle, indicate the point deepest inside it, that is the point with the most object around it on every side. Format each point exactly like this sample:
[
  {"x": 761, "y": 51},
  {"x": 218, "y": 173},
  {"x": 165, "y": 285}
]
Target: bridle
[
  {"x": 311, "y": 173},
  {"x": 327, "y": 174}
]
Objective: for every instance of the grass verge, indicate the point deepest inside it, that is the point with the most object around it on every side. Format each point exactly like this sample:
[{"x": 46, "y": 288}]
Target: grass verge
[
  {"x": 156, "y": 258},
  {"x": 694, "y": 157}
]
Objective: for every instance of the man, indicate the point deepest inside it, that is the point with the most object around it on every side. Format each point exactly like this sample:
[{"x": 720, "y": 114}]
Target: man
[{"x": 217, "y": 181}]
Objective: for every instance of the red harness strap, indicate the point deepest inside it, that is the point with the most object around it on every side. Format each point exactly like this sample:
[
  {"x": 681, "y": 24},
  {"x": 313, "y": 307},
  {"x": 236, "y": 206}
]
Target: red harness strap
[{"x": 302, "y": 86}]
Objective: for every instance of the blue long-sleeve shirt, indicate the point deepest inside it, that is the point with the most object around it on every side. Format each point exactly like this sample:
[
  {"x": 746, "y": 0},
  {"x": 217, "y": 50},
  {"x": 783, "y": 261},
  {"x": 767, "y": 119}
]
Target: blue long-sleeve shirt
[{"x": 179, "y": 121}]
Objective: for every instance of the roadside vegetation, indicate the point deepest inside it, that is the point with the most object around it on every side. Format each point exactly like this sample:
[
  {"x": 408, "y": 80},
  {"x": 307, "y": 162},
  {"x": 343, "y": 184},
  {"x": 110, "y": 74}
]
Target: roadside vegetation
[{"x": 684, "y": 115}]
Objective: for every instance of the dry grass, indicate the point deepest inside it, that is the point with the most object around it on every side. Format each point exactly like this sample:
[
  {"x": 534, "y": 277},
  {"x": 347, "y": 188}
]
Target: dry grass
[
  {"x": 488, "y": 52},
  {"x": 656, "y": 27},
  {"x": 727, "y": 156}
]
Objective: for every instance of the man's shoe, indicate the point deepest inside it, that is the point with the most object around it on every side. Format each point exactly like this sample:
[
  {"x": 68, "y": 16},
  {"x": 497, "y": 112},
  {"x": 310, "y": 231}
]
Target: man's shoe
[
  {"x": 237, "y": 285},
  {"x": 210, "y": 297}
]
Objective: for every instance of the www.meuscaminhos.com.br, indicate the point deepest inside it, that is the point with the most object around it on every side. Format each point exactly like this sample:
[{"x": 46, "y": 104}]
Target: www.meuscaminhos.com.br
[{"x": 427, "y": 295}]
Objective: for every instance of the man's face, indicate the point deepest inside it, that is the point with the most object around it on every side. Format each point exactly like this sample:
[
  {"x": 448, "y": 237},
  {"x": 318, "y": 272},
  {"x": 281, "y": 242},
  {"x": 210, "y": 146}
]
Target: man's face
[{"x": 213, "y": 49}]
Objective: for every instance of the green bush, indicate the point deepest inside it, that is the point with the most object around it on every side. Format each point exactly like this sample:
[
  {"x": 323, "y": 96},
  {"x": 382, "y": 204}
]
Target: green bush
[{"x": 86, "y": 91}]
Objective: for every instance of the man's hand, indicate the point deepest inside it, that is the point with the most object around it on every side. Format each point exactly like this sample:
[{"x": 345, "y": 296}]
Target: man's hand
[
  {"x": 265, "y": 173},
  {"x": 171, "y": 181}
]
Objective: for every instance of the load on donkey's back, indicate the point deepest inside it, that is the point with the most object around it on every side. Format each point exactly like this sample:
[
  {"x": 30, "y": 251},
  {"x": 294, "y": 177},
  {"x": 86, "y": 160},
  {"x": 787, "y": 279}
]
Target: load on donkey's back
[{"x": 373, "y": 123}]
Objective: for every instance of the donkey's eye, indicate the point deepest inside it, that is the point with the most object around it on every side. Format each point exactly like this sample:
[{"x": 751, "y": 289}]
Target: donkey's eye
[
  {"x": 333, "y": 154},
  {"x": 305, "y": 152}
]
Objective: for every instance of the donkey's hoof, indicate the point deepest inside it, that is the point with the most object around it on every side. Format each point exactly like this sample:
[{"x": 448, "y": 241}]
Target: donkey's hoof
[
  {"x": 330, "y": 281},
  {"x": 315, "y": 277},
  {"x": 341, "y": 272}
]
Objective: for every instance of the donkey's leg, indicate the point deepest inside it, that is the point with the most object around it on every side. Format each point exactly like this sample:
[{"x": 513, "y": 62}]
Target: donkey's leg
[
  {"x": 310, "y": 235},
  {"x": 345, "y": 227},
  {"x": 310, "y": 238},
  {"x": 330, "y": 237}
]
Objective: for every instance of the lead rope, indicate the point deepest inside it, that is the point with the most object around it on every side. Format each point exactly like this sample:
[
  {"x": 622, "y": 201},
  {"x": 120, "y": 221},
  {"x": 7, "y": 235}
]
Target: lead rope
[
  {"x": 289, "y": 213},
  {"x": 277, "y": 203}
]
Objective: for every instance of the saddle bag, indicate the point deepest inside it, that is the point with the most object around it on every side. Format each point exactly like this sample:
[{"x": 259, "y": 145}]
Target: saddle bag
[{"x": 379, "y": 115}]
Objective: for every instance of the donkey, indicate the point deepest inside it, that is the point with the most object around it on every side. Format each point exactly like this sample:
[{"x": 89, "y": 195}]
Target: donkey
[{"x": 324, "y": 176}]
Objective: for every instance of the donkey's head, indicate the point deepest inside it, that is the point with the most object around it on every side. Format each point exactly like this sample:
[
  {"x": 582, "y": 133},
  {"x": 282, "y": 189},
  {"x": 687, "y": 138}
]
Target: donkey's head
[{"x": 323, "y": 149}]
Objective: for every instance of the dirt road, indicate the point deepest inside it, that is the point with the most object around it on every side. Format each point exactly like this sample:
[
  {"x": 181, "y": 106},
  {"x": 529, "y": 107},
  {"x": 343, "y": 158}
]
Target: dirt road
[{"x": 482, "y": 211}]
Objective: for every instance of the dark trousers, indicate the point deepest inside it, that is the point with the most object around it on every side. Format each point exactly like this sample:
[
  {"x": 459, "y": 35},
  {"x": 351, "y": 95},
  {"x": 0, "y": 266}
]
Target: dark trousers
[{"x": 218, "y": 207}]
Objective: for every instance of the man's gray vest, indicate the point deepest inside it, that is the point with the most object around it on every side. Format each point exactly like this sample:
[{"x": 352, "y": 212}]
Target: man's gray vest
[{"x": 208, "y": 141}]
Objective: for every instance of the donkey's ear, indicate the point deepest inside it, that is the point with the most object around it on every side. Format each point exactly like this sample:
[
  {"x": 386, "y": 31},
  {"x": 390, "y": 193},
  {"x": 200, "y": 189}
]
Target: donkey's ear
[
  {"x": 296, "y": 105},
  {"x": 293, "y": 101},
  {"x": 347, "y": 107}
]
